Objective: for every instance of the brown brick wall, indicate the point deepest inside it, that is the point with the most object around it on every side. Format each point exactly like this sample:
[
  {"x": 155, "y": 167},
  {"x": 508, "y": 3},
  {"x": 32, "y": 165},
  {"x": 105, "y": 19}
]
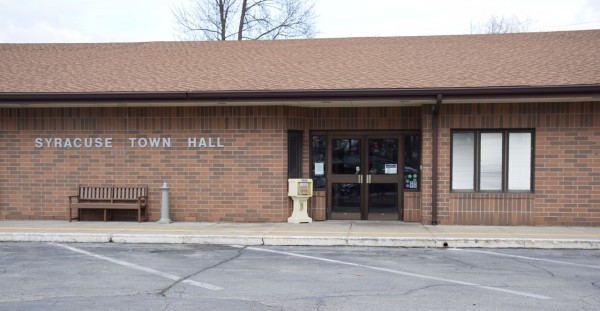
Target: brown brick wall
[
  {"x": 247, "y": 179},
  {"x": 244, "y": 181},
  {"x": 426, "y": 166},
  {"x": 567, "y": 165},
  {"x": 568, "y": 175},
  {"x": 490, "y": 209},
  {"x": 412, "y": 206}
]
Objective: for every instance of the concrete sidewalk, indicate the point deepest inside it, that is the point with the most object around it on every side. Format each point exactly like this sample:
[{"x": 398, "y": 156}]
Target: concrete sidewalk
[{"x": 322, "y": 233}]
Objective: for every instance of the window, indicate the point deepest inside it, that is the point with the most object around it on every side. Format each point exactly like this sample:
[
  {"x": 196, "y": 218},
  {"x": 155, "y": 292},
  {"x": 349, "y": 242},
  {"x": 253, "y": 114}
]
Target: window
[
  {"x": 294, "y": 154},
  {"x": 492, "y": 161},
  {"x": 463, "y": 161},
  {"x": 412, "y": 161},
  {"x": 318, "y": 165}
]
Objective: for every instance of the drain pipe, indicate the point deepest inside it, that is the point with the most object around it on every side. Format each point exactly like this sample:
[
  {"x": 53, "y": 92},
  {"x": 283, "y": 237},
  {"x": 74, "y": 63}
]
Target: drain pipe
[{"x": 434, "y": 163}]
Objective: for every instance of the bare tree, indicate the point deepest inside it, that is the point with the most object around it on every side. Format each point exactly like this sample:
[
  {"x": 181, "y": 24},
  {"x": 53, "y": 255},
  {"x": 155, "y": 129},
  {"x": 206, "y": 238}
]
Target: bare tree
[
  {"x": 245, "y": 19},
  {"x": 502, "y": 24}
]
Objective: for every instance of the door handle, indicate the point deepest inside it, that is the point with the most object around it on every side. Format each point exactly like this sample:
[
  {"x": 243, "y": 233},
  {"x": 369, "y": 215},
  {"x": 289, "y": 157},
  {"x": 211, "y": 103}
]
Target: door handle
[
  {"x": 368, "y": 179},
  {"x": 360, "y": 179}
]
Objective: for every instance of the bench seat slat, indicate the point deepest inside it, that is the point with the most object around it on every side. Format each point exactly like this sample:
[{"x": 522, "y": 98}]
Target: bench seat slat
[
  {"x": 123, "y": 205},
  {"x": 94, "y": 205}
]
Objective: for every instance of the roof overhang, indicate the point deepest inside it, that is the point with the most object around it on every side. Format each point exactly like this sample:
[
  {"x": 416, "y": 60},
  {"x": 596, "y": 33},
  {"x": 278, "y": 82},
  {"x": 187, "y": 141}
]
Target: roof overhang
[{"x": 308, "y": 98}]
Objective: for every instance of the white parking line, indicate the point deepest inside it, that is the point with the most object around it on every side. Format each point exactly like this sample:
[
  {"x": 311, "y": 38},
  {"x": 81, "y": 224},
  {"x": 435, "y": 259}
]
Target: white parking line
[
  {"x": 525, "y": 257},
  {"x": 422, "y": 276},
  {"x": 141, "y": 268}
]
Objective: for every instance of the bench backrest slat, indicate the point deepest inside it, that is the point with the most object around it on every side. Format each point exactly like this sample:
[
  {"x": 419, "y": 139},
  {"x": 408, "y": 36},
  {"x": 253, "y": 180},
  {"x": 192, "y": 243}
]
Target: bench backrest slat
[
  {"x": 130, "y": 193},
  {"x": 112, "y": 193},
  {"x": 95, "y": 193}
]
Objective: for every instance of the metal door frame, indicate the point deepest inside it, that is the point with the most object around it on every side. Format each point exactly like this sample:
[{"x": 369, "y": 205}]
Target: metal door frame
[{"x": 364, "y": 178}]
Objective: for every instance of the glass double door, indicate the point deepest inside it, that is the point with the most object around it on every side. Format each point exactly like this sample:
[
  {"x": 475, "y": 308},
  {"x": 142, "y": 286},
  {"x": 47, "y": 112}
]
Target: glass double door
[{"x": 364, "y": 178}]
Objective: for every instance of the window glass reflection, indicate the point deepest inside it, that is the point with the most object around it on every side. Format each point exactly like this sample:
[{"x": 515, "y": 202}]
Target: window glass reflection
[
  {"x": 383, "y": 156},
  {"x": 318, "y": 166},
  {"x": 412, "y": 161},
  {"x": 345, "y": 156}
]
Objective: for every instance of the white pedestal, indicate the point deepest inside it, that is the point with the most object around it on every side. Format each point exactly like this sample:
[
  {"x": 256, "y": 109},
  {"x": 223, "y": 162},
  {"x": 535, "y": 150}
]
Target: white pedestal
[{"x": 300, "y": 211}]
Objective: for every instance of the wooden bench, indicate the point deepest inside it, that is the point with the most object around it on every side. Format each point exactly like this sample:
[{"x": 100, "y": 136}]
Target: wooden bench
[{"x": 109, "y": 198}]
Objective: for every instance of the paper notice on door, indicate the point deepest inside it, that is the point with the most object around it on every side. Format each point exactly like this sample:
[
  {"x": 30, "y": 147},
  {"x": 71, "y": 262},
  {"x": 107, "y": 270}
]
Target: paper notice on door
[
  {"x": 391, "y": 169},
  {"x": 319, "y": 169}
]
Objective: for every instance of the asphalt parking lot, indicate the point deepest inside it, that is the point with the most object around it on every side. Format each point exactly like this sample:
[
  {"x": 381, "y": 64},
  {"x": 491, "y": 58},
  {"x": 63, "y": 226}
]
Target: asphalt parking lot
[{"x": 78, "y": 276}]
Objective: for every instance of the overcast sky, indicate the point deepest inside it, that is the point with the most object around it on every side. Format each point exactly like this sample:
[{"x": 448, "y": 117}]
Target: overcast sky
[{"x": 152, "y": 20}]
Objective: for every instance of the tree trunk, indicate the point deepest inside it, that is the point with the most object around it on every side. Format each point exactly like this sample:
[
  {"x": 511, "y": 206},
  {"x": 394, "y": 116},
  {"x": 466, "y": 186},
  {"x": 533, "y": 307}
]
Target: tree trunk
[
  {"x": 242, "y": 19},
  {"x": 223, "y": 18}
]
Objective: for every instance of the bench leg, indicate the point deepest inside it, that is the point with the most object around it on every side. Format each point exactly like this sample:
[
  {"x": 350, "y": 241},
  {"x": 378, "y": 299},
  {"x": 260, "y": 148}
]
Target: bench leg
[{"x": 71, "y": 214}]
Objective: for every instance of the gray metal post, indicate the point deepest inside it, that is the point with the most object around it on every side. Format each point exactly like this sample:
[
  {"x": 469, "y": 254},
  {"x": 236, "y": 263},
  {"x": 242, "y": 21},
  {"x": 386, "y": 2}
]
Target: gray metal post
[{"x": 164, "y": 207}]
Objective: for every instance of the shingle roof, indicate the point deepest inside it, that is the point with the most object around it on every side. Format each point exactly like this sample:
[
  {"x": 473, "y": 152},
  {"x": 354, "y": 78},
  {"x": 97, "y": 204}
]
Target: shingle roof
[{"x": 471, "y": 61}]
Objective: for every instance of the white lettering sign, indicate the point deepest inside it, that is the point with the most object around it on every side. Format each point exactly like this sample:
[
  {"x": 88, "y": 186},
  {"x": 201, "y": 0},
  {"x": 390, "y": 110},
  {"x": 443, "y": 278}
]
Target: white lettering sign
[
  {"x": 194, "y": 142},
  {"x": 153, "y": 142},
  {"x": 134, "y": 142},
  {"x": 77, "y": 142}
]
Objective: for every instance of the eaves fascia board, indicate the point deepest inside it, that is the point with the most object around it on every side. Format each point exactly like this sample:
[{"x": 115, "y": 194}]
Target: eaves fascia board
[{"x": 317, "y": 94}]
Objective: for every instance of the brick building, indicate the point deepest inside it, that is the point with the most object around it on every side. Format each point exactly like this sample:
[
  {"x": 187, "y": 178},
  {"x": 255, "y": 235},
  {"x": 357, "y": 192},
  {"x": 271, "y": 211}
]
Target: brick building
[{"x": 476, "y": 129}]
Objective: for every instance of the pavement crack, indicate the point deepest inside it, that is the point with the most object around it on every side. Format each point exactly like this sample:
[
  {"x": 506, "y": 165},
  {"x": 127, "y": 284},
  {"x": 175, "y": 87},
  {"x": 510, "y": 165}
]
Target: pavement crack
[
  {"x": 350, "y": 230},
  {"x": 349, "y": 233},
  {"x": 320, "y": 303},
  {"x": 258, "y": 302},
  {"x": 428, "y": 231},
  {"x": 459, "y": 261},
  {"x": 589, "y": 305},
  {"x": 536, "y": 266},
  {"x": 30, "y": 298},
  {"x": 425, "y": 288},
  {"x": 237, "y": 255}
]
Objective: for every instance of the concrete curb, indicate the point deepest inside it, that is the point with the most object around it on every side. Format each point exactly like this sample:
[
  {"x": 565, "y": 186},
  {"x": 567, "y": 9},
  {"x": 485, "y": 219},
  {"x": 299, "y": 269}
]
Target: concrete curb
[
  {"x": 517, "y": 243},
  {"x": 187, "y": 239},
  {"x": 55, "y": 237},
  {"x": 424, "y": 242}
]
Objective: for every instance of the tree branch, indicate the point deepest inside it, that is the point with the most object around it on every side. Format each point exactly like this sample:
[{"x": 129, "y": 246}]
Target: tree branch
[{"x": 256, "y": 19}]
